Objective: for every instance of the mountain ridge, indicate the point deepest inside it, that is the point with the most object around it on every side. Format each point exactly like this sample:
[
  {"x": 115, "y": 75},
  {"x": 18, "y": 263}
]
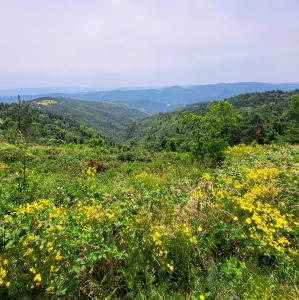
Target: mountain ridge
[{"x": 166, "y": 98}]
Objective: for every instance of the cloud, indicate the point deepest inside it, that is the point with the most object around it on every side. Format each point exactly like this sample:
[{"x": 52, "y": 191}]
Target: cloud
[{"x": 139, "y": 42}]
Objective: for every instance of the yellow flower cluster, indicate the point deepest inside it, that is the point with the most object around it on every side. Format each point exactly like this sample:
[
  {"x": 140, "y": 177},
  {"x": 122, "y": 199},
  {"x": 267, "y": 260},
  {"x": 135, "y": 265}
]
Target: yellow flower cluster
[
  {"x": 91, "y": 171},
  {"x": 252, "y": 196},
  {"x": 260, "y": 174},
  {"x": 3, "y": 273},
  {"x": 239, "y": 151}
]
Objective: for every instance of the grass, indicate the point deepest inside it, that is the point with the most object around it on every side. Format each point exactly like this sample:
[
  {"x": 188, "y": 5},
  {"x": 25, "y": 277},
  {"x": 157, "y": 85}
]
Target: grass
[{"x": 95, "y": 223}]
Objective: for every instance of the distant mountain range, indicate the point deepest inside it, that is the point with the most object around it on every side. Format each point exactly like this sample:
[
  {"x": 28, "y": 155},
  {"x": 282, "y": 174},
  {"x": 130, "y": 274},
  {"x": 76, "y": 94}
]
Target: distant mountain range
[{"x": 160, "y": 99}]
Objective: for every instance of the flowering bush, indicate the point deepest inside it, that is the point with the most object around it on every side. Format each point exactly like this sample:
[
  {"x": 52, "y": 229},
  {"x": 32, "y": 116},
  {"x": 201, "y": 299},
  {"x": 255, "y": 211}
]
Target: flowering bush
[{"x": 154, "y": 229}]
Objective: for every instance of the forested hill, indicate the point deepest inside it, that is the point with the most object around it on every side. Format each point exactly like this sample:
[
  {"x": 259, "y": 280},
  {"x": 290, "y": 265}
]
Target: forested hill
[
  {"x": 264, "y": 117},
  {"x": 43, "y": 127},
  {"x": 110, "y": 119},
  {"x": 267, "y": 113}
]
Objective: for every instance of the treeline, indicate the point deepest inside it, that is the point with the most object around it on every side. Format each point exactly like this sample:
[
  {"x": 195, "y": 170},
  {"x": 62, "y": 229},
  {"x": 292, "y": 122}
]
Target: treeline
[
  {"x": 261, "y": 118},
  {"x": 42, "y": 127}
]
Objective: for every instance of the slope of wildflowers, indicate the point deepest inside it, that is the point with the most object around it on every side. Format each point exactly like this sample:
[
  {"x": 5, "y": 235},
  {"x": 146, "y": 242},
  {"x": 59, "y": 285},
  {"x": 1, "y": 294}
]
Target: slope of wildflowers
[{"x": 92, "y": 225}]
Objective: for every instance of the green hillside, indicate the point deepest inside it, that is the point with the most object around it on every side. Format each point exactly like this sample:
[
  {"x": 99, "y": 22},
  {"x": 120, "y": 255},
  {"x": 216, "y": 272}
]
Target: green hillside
[
  {"x": 108, "y": 118},
  {"x": 264, "y": 117},
  {"x": 42, "y": 127},
  {"x": 205, "y": 218}
]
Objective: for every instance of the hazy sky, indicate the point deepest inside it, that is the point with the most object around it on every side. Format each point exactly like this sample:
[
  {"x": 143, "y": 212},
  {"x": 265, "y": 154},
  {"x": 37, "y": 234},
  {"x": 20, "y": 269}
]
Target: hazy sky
[{"x": 110, "y": 43}]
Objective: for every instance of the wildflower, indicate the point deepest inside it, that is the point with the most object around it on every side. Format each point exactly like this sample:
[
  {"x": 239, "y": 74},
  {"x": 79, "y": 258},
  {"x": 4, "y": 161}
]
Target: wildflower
[
  {"x": 248, "y": 221},
  {"x": 186, "y": 229},
  {"x": 202, "y": 297},
  {"x": 58, "y": 256},
  {"x": 156, "y": 238},
  {"x": 199, "y": 229},
  {"x": 52, "y": 269},
  {"x": 50, "y": 288},
  {"x": 49, "y": 246},
  {"x": 91, "y": 171},
  {"x": 235, "y": 218},
  {"x": 29, "y": 251},
  {"x": 7, "y": 284},
  {"x": 8, "y": 218},
  {"x": 283, "y": 240},
  {"x": 32, "y": 270},
  {"x": 5, "y": 261},
  {"x": 108, "y": 215},
  {"x": 3, "y": 272},
  {"x": 37, "y": 278},
  {"x": 206, "y": 177},
  {"x": 170, "y": 267}
]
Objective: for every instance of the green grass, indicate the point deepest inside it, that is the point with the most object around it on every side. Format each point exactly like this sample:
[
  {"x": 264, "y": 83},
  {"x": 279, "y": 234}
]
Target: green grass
[{"x": 129, "y": 223}]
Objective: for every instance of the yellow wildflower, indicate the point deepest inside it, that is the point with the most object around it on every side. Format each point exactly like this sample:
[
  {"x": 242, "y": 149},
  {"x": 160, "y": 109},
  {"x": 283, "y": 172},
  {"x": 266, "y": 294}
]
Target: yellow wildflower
[
  {"x": 199, "y": 229},
  {"x": 170, "y": 267},
  {"x": 58, "y": 256},
  {"x": 248, "y": 221},
  {"x": 3, "y": 272},
  {"x": 50, "y": 288},
  {"x": 37, "y": 278}
]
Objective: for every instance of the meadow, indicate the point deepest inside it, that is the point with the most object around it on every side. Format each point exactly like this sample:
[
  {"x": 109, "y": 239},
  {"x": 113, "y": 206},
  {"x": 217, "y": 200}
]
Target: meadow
[{"x": 82, "y": 222}]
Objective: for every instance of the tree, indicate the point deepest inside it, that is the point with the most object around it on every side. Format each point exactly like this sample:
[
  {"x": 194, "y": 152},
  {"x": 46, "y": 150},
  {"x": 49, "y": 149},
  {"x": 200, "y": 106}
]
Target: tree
[
  {"x": 291, "y": 130},
  {"x": 209, "y": 131}
]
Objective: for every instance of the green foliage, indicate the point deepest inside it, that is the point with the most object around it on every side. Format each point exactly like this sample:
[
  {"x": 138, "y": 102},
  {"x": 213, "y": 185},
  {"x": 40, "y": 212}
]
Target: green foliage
[
  {"x": 208, "y": 129},
  {"x": 108, "y": 118},
  {"x": 265, "y": 118},
  {"x": 128, "y": 223},
  {"x": 291, "y": 115},
  {"x": 81, "y": 220},
  {"x": 43, "y": 127}
]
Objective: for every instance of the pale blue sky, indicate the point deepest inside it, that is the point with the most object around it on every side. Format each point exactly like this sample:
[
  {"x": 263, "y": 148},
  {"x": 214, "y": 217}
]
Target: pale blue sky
[{"x": 112, "y": 43}]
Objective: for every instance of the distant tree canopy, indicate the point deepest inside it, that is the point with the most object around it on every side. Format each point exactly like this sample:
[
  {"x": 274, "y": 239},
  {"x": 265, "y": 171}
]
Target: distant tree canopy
[
  {"x": 204, "y": 129},
  {"x": 261, "y": 118}
]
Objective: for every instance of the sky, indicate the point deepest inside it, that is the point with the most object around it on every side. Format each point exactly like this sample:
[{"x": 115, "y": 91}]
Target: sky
[{"x": 118, "y": 43}]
